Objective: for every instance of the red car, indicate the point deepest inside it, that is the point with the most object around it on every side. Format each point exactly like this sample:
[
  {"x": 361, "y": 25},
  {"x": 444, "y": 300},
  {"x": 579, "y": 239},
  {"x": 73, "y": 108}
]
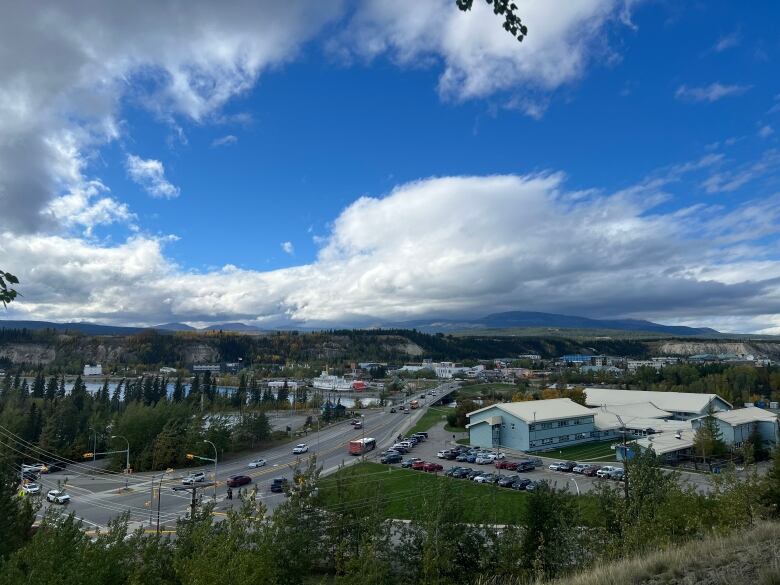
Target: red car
[
  {"x": 504, "y": 464},
  {"x": 238, "y": 480},
  {"x": 510, "y": 465},
  {"x": 432, "y": 467},
  {"x": 591, "y": 470},
  {"x": 418, "y": 465}
]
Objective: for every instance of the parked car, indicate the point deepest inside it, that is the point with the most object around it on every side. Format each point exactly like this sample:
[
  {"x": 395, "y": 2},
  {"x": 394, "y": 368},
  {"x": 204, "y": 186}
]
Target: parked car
[
  {"x": 484, "y": 459},
  {"x": 567, "y": 466},
  {"x": 256, "y": 463},
  {"x": 392, "y": 411},
  {"x": 400, "y": 448},
  {"x": 535, "y": 485},
  {"x": 406, "y": 444},
  {"x": 279, "y": 484},
  {"x": 521, "y": 483},
  {"x": 411, "y": 461},
  {"x": 413, "y": 440},
  {"x": 606, "y": 471},
  {"x": 31, "y": 489},
  {"x": 525, "y": 466},
  {"x": 508, "y": 480},
  {"x": 300, "y": 448},
  {"x": 471, "y": 458},
  {"x": 195, "y": 476},
  {"x": 618, "y": 475},
  {"x": 510, "y": 465},
  {"x": 391, "y": 458},
  {"x": 451, "y": 456},
  {"x": 418, "y": 465},
  {"x": 462, "y": 458},
  {"x": 473, "y": 473},
  {"x": 452, "y": 471},
  {"x": 238, "y": 480},
  {"x": 30, "y": 475},
  {"x": 579, "y": 468},
  {"x": 442, "y": 454},
  {"x": 420, "y": 436},
  {"x": 57, "y": 497},
  {"x": 462, "y": 473},
  {"x": 501, "y": 463},
  {"x": 423, "y": 433},
  {"x": 486, "y": 478},
  {"x": 432, "y": 467},
  {"x": 591, "y": 470},
  {"x": 556, "y": 466}
]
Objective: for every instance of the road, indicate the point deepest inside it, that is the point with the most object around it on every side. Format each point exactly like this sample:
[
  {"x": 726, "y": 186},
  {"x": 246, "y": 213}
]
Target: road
[{"x": 98, "y": 496}]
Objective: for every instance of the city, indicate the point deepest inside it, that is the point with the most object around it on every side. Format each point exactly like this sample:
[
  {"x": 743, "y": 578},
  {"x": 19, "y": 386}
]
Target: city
[{"x": 453, "y": 292}]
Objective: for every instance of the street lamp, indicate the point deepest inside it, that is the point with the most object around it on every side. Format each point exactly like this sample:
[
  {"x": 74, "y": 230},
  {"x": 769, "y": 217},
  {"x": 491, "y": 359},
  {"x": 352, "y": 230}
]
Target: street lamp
[
  {"x": 94, "y": 445},
  {"x": 127, "y": 451},
  {"x": 215, "y": 466}
]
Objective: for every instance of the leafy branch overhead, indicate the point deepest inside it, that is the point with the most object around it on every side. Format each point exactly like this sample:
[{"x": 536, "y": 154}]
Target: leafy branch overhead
[
  {"x": 7, "y": 294},
  {"x": 512, "y": 22}
]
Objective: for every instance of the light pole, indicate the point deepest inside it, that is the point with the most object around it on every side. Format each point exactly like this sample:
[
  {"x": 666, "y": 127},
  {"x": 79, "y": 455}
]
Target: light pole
[
  {"x": 127, "y": 451},
  {"x": 94, "y": 445},
  {"x": 159, "y": 493},
  {"x": 216, "y": 454}
]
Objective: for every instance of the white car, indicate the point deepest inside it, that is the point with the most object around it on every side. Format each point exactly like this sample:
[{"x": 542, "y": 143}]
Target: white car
[
  {"x": 442, "y": 454},
  {"x": 300, "y": 448},
  {"x": 606, "y": 471},
  {"x": 36, "y": 467},
  {"x": 194, "y": 477},
  {"x": 555, "y": 466},
  {"x": 406, "y": 444},
  {"x": 57, "y": 497},
  {"x": 31, "y": 488},
  {"x": 257, "y": 463},
  {"x": 579, "y": 468}
]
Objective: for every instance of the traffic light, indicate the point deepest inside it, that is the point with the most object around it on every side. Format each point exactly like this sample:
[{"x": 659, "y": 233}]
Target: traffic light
[
  {"x": 190, "y": 456},
  {"x": 89, "y": 455}
]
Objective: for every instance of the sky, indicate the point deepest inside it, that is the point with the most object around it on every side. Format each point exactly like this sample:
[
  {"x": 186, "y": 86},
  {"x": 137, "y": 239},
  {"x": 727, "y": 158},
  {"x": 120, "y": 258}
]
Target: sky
[{"x": 357, "y": 163}]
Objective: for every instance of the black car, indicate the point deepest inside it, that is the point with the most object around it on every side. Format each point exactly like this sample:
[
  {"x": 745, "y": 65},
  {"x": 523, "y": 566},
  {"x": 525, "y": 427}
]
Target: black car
[
  {"x": 423, "y": 433},
  {"x": 392, "y": 411},
  {"x": 391, "y": 458},
  {"x": 521, "y": 483},
  {"x": 420, "y": 436},
  {"x": 30, "y": 475},
  {"x": 473, "y": 473},
  {"x": 279, "y": 484},
  {"x": 508, "y": 480},
  {"x": 54, "y": 466},
  {"x": 450, "y": 455},
  {"x": 525, "y": 466},
  {"x": 567, "y": 466}
]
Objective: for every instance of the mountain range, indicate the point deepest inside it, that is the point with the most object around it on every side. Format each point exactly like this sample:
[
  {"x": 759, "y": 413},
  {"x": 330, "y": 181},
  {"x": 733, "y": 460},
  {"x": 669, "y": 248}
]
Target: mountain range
[{"x": 494, "y": 321}]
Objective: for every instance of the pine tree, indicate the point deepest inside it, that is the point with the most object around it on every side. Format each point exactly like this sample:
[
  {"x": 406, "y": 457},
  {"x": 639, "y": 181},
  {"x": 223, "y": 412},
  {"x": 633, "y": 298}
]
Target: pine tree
[
  {"x": 61, "y": 386},
  {"x": 284, "y": 393},
  {"x": 51, "y": 389},
  {"x": 103, "y": 394},
  {"x": 39, "y": 385},
  {"x": 708, "y": 440},
  {"x": 254, "y": 392},
  {"x": 195, "y": 390},
  {"x": 116, "y": 401},
  {"x": 178, "y": 390}
]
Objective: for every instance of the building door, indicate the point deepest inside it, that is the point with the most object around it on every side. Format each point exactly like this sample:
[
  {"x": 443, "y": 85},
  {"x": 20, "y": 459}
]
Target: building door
[{"x": 496, "y": 435}]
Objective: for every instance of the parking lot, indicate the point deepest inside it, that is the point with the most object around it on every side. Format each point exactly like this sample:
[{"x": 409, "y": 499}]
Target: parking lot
[{"x": 439, "y": 440}]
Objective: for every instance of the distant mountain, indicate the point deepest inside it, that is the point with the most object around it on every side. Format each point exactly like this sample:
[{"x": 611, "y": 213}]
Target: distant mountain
[
  {"x": 231, "y": 327},
  {"x": 175, "y": 327},
  {"x": 531, "y": 319},
  {"x": 88, "y": 328}
]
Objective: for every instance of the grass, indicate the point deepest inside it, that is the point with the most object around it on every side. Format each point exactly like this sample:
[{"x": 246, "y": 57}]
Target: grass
[
  {"x": 431, "y": 417},
  {"x": 466, "y": 441},
  {"x": 601, "y": 451},
  {"x": 746, "y": 557},
  {"x": 404, "y": 494},
  {"x": 477, "y": 390}
]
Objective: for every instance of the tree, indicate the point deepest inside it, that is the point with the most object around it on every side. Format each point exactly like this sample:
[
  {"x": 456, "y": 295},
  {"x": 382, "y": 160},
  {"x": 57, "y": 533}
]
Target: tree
[
  {"x": 16, "y": 514},
  {"x": 771, "y": 495},
  {"x": 283, "y": 394},
  {"x": 708, "y": 440},
  {"x": 178, "y": 390},
  {"x": 7, "y": 294}
]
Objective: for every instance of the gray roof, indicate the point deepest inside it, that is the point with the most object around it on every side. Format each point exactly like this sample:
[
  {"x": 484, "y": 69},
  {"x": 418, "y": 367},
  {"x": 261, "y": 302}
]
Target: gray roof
[
  {"x": 541, "y": 410},
  {"x": 669, "y": 401}
]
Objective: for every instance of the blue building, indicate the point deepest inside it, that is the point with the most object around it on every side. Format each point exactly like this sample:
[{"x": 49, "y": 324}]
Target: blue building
[{"x": 534, "y": 425}]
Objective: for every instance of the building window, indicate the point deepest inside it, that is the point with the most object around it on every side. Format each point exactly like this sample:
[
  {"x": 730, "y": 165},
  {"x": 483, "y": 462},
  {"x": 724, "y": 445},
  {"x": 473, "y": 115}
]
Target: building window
[
  {"x": 531, "y": 427},
  {"x": 594, "y": 434},
  {"x": 513, "y": 426},
  {"x": 547, "y": 425},
  {"x": 547, "y": 441},
  {"x": 563, "y": 423},
  {"x": 563, "y": 438},
  {"x": 579, "y": 436}
]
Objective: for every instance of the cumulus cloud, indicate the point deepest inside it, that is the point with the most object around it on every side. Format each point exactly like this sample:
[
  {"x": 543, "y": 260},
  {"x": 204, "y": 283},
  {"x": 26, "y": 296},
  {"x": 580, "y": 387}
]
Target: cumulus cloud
[
  {"x": 765, "y": 131},
  {"x": 439, "y": 246},
  {"x": 224, "y": 140},
  {"x": 72, "y": 66},
  {"x": 150, "y": 174},
  {"x": 564, "y": 38},
  {"x": 288, "y": 248},
  {"x": 709, "y": 93}
]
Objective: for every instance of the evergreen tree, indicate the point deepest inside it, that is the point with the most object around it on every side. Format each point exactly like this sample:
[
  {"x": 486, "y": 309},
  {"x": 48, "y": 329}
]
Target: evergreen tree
[
  {"x": 238, "y": 398},
  {"x": 148, "y": 390},
  {"x": 303, "y": 396},
  {"x": 16, "y": 514},
  {"x": 195, "y": 388},
  {"x": 61, "y": 386},
  {"x": 103, "y": 396},
  {"x": 79, "y": 393},
  {"x": 771, "y": 495},
  {"x": 178, "y": 390},
  {"x": 51, "y": 389},
  {"x": 284, "y": 393},
  {"x": 39, "y": 385},
  {"x": 116, "y": 401},
  {"x": 255, "y": 396},
  {"x": 708, "y": 440}
]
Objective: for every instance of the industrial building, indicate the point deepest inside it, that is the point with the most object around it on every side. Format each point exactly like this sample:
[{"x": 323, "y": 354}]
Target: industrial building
[
  {"x": 534, "y": 425},
  {"x": 679, "y": 405}
]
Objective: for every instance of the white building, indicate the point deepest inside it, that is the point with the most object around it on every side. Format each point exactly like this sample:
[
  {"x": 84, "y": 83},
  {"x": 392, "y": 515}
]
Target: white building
[
  {"x": 167, "y": 370},
  {"x": 680, "y": 405},
  {"x": 96, "y": 370}
]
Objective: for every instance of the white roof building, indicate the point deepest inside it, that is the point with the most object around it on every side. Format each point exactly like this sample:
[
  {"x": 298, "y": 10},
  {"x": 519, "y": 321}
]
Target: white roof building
[
  {"x": 534, "y": 411},
  {"x": 666, "y": 443},
  {"x": 681, "y": 405}
]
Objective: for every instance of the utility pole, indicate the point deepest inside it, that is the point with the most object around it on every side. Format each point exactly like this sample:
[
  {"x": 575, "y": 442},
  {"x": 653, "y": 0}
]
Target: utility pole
[
  {"x": 625, "y": 456},
  {"x": 216, "y": 455}
]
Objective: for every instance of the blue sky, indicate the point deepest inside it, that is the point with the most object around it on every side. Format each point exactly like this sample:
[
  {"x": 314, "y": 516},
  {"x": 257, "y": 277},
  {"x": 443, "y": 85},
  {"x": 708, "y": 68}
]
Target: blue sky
[{"x": 636, "y": 142}]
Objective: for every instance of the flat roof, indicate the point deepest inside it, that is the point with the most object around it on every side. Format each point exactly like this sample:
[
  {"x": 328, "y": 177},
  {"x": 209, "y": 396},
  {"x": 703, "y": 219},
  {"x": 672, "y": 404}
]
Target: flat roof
[
  {"x": 637, "y": 409},
  {"x": 668, "y": 442},
  {"x": 749, "y": 414},
  {"x": 670, "y": 401},
  {"x": 541, "y": 410},
  {"x": 607, "y": 421}
]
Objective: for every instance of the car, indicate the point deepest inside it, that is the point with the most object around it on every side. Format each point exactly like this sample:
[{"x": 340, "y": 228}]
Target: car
[
  {"x": 354, "y": 421},
  {"x": 54, "y": 467},
  {"x": 358, "y": 425},
  {"x": 504, "y": 464},
  {"x": 422, "y": 396},
  {"x": 31, "y": 489},
  {"x": 196, "y": 476},
  {"x": 300, "y": 448},
  {"x": 535, "y": 461},
  {"x": 452, "y": 471},
  {"x": 579, "y": 468},
  {"x": 508, "y": 480},
  {"x": 57, "y": 497},
  {"x": 393, "y": 411},
  {"x": 406, "y": 410},
  {"x": 256, "y": 463},
  {"x": 432, "y": 467},
  {"x": 451, "y": 456},
  {"x": 606, "y": 471},
  {"x": 238, "y": 480},
  {"x": 406, "y": 444},
  {"x": 555, "y": 466},
  {"x": 473, "y": 473},
  {"x": 30, "y": 475},
  {"x": 484, "y": 459},
  {"x": 391, "y": 458},
  {"x": 567, "y": 466},
  {"x": 411, "y": 461},
  {"x": 462, "y": 473},
  {"x": 412, "y": 440},
  {"x": 279, "y": 485},
  {"x": 524, "y": 466},
  {"x": 461, "y": 458},
  {"x": 36, "y": 467},
  {"x": 419, "y": 464},
  {"x": 486, "y": 478},
  {"x": 420, "y": 436},
  {"x": 534, "y": 485},
  {"x": 521, "y": 483},
  {"x": 400, "y": 448},
  {"x": 618, "y": 475},
  {"x": 471, "y": 459},
  {"x": 590, "y": 470},
  {"x": 498, "y": 455}
]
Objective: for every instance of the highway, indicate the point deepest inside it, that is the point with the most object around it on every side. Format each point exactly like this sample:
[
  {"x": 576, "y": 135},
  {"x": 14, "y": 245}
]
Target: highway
[{"x": 98, "y": 496}]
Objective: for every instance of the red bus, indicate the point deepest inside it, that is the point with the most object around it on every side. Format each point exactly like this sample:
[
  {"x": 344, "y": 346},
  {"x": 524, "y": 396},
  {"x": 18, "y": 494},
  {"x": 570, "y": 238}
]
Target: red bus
[{"x": 361, "y": 446}]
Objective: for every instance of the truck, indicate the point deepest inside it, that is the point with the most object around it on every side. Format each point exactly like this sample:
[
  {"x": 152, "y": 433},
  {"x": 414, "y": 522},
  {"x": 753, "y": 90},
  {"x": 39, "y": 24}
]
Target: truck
[
  {"x": 361, "y": 446},
  {"x": 414, "y": 404}
]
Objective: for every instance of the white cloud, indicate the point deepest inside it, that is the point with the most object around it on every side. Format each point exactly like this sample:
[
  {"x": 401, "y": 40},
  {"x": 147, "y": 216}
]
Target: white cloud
[
  {"x": 765, "y": 131},
  {"x": 150, "y": 174},
  {"x": 709, "y": 93},
  {"x": 288, "y": 248},
  {"x": 728, "y": 41},
  {"x": 224, "y": 140},
  {"x": 564, "y": 38},
  {"x": 450, "y": 245}
]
